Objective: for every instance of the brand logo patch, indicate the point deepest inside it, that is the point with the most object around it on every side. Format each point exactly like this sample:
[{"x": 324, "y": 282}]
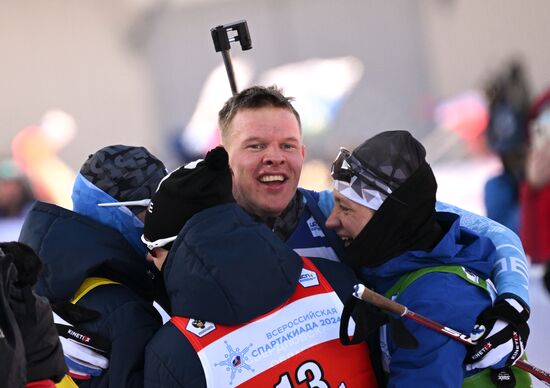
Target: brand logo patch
[
  {"x": 472, "y": 276},
  {"x": 200, "y": 328},
  {"x": 78, "y": 336},
  {"x": 308, "y": 278},
  {"x": 235, "y": 361},
  {"x": 315, "y": 229}
]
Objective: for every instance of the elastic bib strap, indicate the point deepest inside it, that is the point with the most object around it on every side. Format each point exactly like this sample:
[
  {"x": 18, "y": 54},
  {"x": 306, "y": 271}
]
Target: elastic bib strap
[
  {"x": 405, "y": 280},
  {"x": 89, "y": 284}
]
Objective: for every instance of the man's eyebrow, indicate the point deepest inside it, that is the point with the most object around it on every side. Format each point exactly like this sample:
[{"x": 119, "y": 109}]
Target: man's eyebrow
[
  {"x": 262, "y": 139},
  {"x": 291, "y": 138},
  {"x": 254, "y": 138},
  {"x": 343, "y": 201}
]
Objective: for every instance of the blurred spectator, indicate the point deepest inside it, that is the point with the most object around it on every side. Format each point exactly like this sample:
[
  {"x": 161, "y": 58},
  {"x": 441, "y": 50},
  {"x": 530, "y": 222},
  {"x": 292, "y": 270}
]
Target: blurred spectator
[
  {"x": 508, "y": 95},
  {"x": 535, "y": 190},
  {"x": 16, "y": 198}
]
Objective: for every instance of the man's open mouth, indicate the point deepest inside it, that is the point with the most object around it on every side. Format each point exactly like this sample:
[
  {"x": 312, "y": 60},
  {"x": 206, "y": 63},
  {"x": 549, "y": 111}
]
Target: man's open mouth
[{"x": 272, "y": 178}]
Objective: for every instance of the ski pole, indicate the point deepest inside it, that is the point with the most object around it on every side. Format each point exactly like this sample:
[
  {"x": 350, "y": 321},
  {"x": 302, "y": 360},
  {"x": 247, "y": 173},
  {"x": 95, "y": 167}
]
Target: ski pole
[
  {"x": 222, "y": 42},
  {"x": 369, "y": 296}
]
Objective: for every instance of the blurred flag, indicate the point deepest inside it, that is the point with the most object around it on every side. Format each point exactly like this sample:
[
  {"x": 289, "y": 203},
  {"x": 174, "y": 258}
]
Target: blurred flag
[
  {"x": 467, "y": 115},
  {"x": 201, "y": 133},
  {"x": 318, "y": 86}
]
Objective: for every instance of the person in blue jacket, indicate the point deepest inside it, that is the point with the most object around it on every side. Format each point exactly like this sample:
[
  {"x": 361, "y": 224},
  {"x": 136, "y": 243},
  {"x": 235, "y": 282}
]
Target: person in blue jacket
[
  {"x": 261, "y": 131},
  {"x": 385, "y": 194},
  {"x": 247, "y": 309},
  {"x": 509, "y": 101},
  {"x": 95, "y": 253}
]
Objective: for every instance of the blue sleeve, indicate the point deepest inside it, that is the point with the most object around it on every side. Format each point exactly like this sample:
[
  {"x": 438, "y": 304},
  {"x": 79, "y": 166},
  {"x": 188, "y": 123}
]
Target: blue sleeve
[
  {"x": 510, "y": 272},
  {"x": 326, "y": 202},
  {"x": 438, "y": 359}
]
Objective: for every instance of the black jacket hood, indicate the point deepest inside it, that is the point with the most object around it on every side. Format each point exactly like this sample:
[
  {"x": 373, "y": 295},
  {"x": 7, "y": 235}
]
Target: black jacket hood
[{"x": 226, "y": 268}]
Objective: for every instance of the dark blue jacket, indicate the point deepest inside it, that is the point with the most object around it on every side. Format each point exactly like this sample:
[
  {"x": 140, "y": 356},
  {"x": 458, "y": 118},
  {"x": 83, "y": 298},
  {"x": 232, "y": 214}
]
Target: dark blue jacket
[
  {"x": 442, "y": 297},
  {"x": 72, "y": 248},
  {"x": 224, "y": 268}
]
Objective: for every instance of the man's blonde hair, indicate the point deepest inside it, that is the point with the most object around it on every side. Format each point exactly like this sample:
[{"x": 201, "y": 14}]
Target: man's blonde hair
[{"x": 254, "y": 97}]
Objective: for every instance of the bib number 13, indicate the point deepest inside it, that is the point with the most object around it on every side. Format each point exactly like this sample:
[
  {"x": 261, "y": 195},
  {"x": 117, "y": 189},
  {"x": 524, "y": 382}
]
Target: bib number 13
[{"x": 309, "y": 372}]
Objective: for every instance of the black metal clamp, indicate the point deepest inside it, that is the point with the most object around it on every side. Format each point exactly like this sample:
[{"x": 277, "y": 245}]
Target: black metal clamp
[{"x": 222, "y": 42}]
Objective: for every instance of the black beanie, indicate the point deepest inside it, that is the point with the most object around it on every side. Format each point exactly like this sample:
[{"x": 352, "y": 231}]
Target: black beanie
[
  {"x": 185, "y": 192},
  {"x": 126, "y": 173},
  {"x": 393, "y": 156},
  {"x": 406, "y": 219}
]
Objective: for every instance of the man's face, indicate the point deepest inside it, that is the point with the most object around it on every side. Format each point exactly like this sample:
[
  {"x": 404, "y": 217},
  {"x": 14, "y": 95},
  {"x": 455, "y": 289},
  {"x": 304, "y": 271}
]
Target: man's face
[
  {"x": 266, "y": 155},
  {"x": 348, "y": 218},
  {"x": 11, "y": 197}
]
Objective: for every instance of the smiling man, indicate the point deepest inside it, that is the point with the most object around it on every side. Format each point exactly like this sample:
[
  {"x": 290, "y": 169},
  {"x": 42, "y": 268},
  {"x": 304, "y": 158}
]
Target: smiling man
[
  {"x": 385, "y": 194},
  {"x": 265, "y": 151},
  {"x": 261, "y": 132},
  {"x": 248, "y": 311},
  {"x": 349, "y": 227}
]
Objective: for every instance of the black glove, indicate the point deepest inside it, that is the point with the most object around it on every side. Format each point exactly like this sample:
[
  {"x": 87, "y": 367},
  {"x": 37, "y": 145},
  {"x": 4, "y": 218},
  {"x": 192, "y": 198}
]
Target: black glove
[
  {"x": 69, "y": 316},
  {"x": 86, "y": 353},
  {"x": 501, "y": 333},
  {"x": 43, "y": 352},
  {"x": 12, "y": 351},
  {"x": 185, "y": 192},
  {"x": 368, "y": 319}
]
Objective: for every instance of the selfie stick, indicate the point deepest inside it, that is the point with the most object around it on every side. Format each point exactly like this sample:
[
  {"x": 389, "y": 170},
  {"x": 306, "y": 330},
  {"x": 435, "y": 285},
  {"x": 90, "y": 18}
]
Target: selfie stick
[
  {"x": 369, "y": 296},
  {"x": 222, "y": 42}
]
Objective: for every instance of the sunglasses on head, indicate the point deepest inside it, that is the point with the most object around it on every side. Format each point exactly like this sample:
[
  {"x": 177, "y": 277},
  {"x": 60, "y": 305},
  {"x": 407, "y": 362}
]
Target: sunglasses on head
[
  {"x": 157, "y": 243},
  {"x": 141, "y": 202},
  {"x": 346, "y": 166}
]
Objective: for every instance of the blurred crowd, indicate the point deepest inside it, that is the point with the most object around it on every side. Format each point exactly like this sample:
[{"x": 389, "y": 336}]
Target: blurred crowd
[
  {"x": 519, "y": 133},
  {"x": 16, "y": 196}
]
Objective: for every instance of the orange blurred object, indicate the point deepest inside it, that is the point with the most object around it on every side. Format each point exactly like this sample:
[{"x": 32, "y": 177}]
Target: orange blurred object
[{"x": 35, "y": 150}]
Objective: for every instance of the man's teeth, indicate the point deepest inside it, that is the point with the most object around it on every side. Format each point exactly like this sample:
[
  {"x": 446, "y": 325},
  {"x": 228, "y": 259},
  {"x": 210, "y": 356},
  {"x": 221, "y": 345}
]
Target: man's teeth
[{"x": 272, "y": 178}]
